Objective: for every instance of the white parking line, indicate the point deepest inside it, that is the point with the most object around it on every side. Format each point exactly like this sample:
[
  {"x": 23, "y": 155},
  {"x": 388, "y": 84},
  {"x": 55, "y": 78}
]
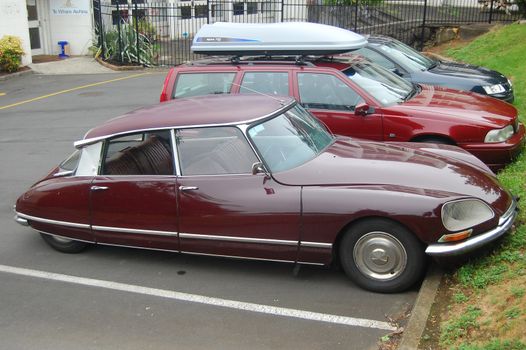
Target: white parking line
[{"x": 200, "y": 299}]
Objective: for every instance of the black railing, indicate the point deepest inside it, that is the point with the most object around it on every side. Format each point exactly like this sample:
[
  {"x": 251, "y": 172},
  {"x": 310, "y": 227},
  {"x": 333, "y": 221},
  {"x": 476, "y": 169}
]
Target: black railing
[{"x": 161, "y": 33}]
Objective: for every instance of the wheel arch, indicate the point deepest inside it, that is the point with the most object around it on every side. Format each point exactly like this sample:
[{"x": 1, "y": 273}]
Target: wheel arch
[{"x": 433, "y": 138}]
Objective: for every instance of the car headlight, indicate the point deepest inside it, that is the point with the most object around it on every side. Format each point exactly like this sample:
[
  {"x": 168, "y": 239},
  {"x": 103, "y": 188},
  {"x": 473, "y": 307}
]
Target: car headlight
[
  {"x": 465, "y": 213},
  {"x": 499, "y": 135},
  {"x": 494, "y": 89},
  {"x": 509, "y": 82}
]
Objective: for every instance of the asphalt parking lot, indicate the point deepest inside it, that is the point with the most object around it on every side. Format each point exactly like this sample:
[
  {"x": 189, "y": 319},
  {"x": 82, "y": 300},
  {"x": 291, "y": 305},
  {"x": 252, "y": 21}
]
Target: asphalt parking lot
[{"x": 118, "y": 298}]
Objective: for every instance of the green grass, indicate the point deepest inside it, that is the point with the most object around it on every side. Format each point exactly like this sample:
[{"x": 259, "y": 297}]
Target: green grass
[{"x": 498, "y": 276}]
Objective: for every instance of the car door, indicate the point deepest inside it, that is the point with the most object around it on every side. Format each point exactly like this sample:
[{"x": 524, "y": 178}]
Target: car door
[
  {"x": 226, "y": 210},
  {"x": 332, "y": 99},
  {"x": 133, "y": 199}
]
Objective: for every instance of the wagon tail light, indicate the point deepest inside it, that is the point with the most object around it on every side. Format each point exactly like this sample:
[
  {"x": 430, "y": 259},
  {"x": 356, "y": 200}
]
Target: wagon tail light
[
  {"x": 164, "y": 93},
  {"x": 454, "y": 237}
]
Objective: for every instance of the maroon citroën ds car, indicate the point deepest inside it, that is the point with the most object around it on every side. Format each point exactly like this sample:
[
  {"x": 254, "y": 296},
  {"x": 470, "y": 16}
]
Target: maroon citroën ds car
[{"x": 258, "y": 177}]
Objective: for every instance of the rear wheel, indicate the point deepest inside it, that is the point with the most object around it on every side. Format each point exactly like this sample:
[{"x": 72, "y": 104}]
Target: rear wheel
[
  {"x": 64, "y": 245},
  {"x": 382, "y": 256}
]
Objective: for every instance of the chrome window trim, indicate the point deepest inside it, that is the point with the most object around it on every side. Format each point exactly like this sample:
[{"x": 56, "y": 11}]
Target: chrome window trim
[
  {"x": 237, "y": 239},
  {"x": 284, "y": 107},
  {"x": 52, "y": 222},
  {"x": 175, "y": 155},
  {"x": 240, "y": 174},
  {"x": 102, "y": 177},
  {"x": 135, "y": 231}
]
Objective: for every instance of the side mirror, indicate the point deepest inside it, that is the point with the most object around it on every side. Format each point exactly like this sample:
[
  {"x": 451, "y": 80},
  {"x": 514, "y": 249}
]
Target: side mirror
[
  {"x": 361, "y": 109},
  {"x": 258, "y": 168}
]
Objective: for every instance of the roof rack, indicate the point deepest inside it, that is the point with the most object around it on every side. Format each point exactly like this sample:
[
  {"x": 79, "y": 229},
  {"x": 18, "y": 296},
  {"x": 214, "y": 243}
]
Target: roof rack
[
  {"x": 271, "y": 39},
  {"x": 254, "y": 60}
]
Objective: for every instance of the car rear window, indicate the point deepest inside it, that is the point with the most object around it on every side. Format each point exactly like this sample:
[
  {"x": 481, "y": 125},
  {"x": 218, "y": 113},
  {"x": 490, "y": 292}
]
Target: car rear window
[{"x": 198, "y": 84}]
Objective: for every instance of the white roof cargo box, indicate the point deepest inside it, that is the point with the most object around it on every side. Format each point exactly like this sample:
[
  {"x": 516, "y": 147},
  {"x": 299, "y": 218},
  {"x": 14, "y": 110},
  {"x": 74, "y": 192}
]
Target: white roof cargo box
[{"x": 288, "y": 38}]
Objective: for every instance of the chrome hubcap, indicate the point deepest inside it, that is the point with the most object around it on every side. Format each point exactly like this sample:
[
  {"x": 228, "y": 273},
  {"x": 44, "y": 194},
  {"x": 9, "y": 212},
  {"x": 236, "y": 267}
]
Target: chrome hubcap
[{"x": 380, "y": 255}]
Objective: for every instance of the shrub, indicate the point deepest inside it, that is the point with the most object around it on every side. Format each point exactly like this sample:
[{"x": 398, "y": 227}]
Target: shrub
[
  {"x": 127, "y": 51},
  {"x": 10, "y": 53}
]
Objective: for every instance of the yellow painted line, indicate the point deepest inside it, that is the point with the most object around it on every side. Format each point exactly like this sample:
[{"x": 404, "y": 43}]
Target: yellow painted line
[
  {"x": 70, "y": 90},
  {"x": 2, "y": 93}
]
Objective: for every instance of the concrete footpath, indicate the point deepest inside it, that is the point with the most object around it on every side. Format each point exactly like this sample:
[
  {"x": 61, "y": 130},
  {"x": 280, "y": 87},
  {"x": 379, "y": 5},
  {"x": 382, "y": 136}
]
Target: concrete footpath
[{"x": 72, "y": 65}]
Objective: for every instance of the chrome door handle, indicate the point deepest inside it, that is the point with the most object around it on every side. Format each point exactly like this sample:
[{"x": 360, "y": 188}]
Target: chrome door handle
[
  {"x": 188, "y": 188},
  {"x": 99, "y": 188}
]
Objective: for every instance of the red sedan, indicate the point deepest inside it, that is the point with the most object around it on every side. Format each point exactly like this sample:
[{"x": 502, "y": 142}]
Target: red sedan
[
  {"x": 357, "y": 98},
  {"x": 260, "y": 178}
]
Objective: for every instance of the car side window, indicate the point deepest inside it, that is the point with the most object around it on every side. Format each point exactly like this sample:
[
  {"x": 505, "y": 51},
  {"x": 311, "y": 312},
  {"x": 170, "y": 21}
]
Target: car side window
[
  {"x": 214, "y": 151},
  {"x": 325, "y": 91},
  {"x": 376, "y": 57},
  {"x": 198, "y": 84},
  {"x": 272, "y": 83},
  {"x": 146, "y": 153}
]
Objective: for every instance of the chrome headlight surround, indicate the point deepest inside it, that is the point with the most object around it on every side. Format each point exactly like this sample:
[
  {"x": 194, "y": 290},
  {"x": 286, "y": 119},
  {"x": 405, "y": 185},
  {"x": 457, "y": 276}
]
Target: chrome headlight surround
[
  {"x": 494, "y": 89},
  {"x": 465, "y": 213},
  {"x": 499, "y": 135}
]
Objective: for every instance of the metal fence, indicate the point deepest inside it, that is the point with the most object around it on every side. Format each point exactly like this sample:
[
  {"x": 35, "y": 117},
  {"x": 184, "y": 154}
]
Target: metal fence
[{"x": 161, "y": 33}]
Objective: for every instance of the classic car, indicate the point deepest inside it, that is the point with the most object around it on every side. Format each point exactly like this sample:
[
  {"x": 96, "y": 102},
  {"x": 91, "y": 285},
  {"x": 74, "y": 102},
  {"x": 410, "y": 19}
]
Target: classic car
[
  {"x": 258, "y": 177},
  {"x": 357, "y": 98},
  {"x": 420, "y": 69}
]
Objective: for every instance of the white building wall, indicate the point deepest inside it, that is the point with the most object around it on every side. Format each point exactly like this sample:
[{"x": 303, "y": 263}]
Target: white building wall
[
  {"x": 13, "y": 21},
  {"x": 73, "y": 24}
]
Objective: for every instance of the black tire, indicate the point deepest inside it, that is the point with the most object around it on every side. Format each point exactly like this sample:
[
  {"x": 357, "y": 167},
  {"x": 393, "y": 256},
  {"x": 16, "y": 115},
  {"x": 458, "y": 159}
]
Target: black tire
[
  {"x": 64, "y": 245},
  {"x": 381, "y": 255}
]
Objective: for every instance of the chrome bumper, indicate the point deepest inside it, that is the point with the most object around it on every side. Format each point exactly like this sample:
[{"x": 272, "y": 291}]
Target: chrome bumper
[
  {"x": 21, "y": 220},
  {"x": 472, "y": 243}
]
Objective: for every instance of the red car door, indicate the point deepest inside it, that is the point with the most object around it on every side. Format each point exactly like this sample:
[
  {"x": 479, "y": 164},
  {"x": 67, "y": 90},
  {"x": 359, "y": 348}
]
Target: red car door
[
  {"x": 226, "y": 210},
  {"x": 332, "y": 99},
  {"x": 134, "y": 200}
]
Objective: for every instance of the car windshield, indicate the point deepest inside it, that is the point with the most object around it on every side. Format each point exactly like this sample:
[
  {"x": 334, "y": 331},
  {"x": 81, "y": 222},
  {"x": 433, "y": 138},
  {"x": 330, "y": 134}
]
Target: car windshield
[
  {"x": 290, "y": 139},
  {"x": 386, "y": 87},
  {"x": 407, "y": 57}
]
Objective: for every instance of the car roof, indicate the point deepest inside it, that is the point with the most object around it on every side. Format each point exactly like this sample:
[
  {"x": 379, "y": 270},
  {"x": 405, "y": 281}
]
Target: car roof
[{"x": 195, "y": 111}]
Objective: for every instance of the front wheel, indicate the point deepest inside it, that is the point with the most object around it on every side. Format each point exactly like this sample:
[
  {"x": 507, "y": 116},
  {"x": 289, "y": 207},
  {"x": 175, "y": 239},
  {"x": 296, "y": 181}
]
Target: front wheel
[
  {"x": 382, "y": 256},
  {"x": 64, "y": 245}
]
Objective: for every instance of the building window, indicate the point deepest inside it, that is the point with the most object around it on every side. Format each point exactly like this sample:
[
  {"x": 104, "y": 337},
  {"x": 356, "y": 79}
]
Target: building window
[
  {"x": 239, "y": 8},
  {"x": 120, "y": 16},
  {"x": 266, "y": 7},
  {"x": 201, "y": 11},
  {"x": 120, "y": 2},
  {"x": 252, "y": 8},
  {"x": 186, "y": 12}
]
